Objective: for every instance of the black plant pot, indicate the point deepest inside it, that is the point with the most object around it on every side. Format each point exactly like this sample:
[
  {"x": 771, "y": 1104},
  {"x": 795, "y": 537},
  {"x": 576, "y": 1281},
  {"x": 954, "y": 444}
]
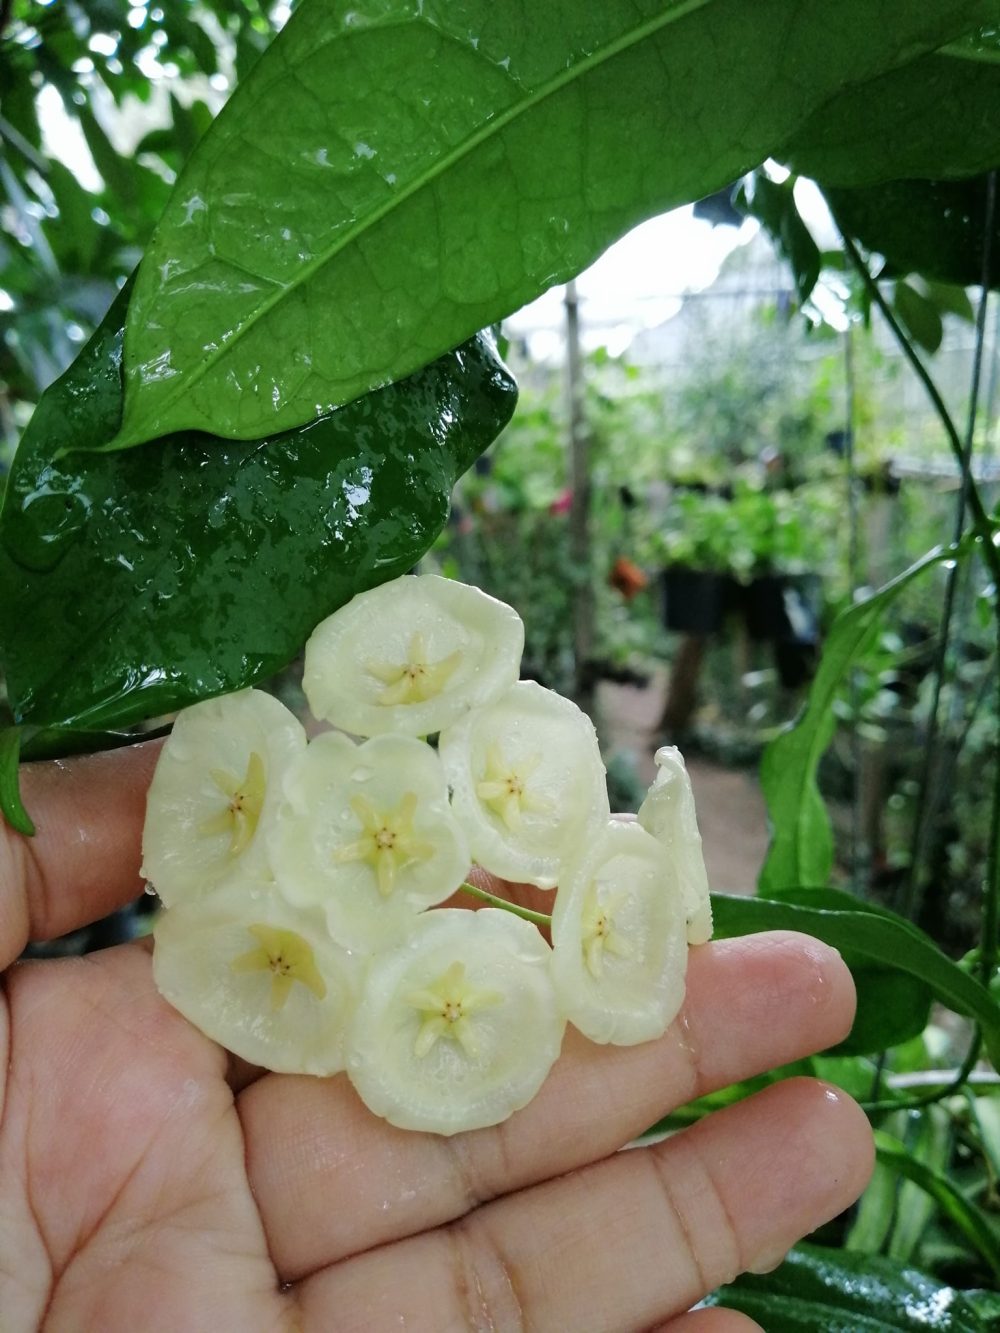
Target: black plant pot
[
  {"x": 796, "y": 662},
  {"x": 696, "y": 601},
  {"x": 784, "y": 607}
]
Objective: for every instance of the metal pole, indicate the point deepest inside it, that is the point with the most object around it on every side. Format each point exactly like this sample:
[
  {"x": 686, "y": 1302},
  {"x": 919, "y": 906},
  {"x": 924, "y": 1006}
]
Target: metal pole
[{"x": 579, "y": 514}]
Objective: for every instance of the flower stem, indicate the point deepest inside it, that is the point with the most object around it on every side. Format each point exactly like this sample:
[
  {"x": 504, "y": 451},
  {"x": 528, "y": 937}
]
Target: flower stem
[
  {"x": 536, "y": 918},
  {"x": 954, "y": 1084},
  {"x": 981, "y": 520}
]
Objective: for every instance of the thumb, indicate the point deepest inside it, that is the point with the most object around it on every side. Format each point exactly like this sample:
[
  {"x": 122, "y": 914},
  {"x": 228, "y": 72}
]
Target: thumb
[{"x": 83, "y": 861}]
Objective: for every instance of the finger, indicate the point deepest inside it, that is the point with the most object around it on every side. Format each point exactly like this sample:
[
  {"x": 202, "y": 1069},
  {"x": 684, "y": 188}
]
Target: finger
[
  {"x": 627, "y": 1242},
  {"x": 331, "y": 1179},
  {"x": 84, "y": 860},
  {"x": 710, "y": 1321}
]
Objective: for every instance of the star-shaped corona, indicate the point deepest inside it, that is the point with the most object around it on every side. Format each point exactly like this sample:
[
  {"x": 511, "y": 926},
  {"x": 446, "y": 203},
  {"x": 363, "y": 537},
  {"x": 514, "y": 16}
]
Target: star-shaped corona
[
  {"x": 447, "y": 1006},
  {"x": 241, "y": 814},
  {"x": 288, "y": 957},
  {"x": 597, "y": 930},
  {"x": 388, "y": 842},
  {"x": 415, "y": 680},
  {"x": 504, "y": 787}
]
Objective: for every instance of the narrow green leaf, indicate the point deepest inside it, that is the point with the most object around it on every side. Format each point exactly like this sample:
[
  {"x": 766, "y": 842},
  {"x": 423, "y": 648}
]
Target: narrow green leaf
[
  {"x": 115, "y": 170},
  {"x": 819, "y": 1290},
  {"x": 986, "y": 1112},
  {"x": 134, "y": 583},
  {"x": 801, "y": 850},
  {"x": 10, "y": 789},
  {"x": 873, "y": 1219},
  {"x": 397, "y": 173},
  {"x": 969, "y": 1219},
  {"x": 931, "y": 1145},
  {"x": 875, "y": 936},
  {"x": 987, "y": 1305},
  {"x": 934, "y": 118}
]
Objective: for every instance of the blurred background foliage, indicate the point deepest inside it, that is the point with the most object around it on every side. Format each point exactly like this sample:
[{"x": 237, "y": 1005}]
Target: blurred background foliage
[{"x": 101, "y": 101}]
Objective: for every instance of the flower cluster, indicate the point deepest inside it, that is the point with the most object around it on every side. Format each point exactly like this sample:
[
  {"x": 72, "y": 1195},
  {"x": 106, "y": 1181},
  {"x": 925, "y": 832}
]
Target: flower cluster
[{"x": 303, "y": 882}]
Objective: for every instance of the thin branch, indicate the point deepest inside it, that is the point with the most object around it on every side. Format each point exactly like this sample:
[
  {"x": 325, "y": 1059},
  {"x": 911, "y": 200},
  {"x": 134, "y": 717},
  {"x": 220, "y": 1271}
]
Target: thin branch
[
  {"x": 981, "y": 519},
  {"x": 955, "y": 1084},
  {"x": 969, "y": 497}
]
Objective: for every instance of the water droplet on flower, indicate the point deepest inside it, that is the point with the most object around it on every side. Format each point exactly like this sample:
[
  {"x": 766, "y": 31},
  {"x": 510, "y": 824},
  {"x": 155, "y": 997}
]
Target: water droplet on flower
[
  {"x": 361, "y": 774},
  {"x": 148, "y": 889}
]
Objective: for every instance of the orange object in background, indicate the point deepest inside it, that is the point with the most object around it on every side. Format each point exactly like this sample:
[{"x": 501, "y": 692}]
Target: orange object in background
[{"x": 627, "y": 577}]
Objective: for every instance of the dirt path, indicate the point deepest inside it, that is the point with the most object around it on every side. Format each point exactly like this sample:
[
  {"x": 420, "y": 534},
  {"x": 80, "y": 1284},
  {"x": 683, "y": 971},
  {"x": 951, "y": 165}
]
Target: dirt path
[{"x": 731, "y": 811}]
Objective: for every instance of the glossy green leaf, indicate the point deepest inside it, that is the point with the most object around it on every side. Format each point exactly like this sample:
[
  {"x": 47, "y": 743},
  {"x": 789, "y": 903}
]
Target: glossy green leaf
[
  {"x": 801, "y": 850},
  {"x": 931, "y": 227},
  {"x": 966, "y": 1216},
  {"x": 133, "y": 583},
  {"x": 874, "y": 936},
  {"x": 935, "y": 118},
  {"x": 395, "y": 174},
  {"x": 832, "y": 1291}
]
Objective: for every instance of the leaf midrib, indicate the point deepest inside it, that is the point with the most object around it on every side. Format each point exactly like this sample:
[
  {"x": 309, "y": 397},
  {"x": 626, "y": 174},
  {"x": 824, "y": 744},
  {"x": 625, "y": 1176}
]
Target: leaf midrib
[{"x": 468, "y": 146}]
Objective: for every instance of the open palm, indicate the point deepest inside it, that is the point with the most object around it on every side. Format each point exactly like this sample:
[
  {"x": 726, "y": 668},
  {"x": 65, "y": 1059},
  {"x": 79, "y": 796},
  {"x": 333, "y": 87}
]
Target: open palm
[{"x": 149, "y": 1183}]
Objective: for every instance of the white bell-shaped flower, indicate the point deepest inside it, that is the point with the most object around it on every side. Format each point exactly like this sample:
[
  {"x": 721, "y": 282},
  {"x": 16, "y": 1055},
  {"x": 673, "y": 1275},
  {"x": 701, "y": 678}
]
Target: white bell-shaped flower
[
  {"x": 668, "y": 813},
  {"x": 458, "y": 1027},
  {"x": 527, "y": 780},
  {"x": 366, "y": 834},
  {"x": 619, "y": 948},
  {"x": 411, "y": 657},
  {"x": 262, "y": 979},
  {"x": 214, "y": 792}
]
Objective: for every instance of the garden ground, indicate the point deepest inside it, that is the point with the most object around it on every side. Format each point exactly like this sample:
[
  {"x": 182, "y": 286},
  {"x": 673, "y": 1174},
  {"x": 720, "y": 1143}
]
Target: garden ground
[{"x": 731, "y": 812}]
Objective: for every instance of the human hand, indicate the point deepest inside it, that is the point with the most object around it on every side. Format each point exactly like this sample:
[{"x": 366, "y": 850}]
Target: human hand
[{"x": 148, "y": 1182}]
